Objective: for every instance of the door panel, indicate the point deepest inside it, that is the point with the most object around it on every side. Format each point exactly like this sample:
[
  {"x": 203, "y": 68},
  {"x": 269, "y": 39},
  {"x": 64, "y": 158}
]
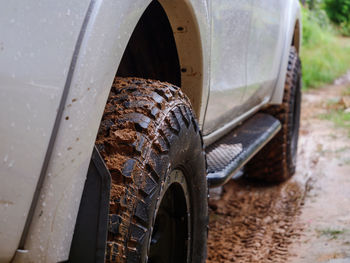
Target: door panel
[
  {"x": 264, "y": 49},
  {"x": 230, "y": 34}
]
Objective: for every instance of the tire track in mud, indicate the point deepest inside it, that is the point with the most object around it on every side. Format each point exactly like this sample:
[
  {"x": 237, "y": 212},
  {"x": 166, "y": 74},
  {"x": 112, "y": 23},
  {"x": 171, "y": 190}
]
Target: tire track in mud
[
  {"x": 254, "y": 223},
  {"x": 270, "y": 223}
]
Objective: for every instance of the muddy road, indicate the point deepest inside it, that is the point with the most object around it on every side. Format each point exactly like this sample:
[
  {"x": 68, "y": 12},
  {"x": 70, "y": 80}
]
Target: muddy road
[{"x": 306, "y": 219}]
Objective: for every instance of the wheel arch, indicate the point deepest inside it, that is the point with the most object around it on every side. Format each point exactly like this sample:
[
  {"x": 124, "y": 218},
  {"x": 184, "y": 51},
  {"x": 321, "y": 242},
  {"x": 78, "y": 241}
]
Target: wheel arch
[
  {"x": 297, "y": 36},
  {"x": 188, "y": 40},
  {"x": 171, "y": 51},
  {"x": 293, "y": 35}
]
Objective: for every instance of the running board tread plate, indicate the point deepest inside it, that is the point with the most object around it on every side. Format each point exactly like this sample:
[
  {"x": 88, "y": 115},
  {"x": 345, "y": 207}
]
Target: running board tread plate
[{"x": 229, "y": 154}]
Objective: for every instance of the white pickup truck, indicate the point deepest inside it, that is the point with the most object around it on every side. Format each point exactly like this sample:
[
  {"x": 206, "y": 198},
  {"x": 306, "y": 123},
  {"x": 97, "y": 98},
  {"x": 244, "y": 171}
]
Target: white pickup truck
[{"x": 116, "y": 116}]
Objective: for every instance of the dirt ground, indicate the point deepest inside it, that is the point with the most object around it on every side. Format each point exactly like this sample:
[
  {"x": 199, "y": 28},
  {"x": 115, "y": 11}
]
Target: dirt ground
[{"x": 306, "y": 219}]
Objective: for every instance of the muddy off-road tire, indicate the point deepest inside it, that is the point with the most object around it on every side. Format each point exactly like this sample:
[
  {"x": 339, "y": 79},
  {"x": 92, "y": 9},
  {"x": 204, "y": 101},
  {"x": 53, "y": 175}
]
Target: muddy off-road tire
[
  {"x": 276, "y": 162},
  {"x": 151, "y": 143}
]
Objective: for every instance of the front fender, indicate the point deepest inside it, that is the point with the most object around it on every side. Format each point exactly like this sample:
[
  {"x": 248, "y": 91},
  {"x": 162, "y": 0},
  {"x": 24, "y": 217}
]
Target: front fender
[
  {"x": 37, "y": 39},
  {"x": 109, "y": 25},
  {"x": 103, "y": 39}
]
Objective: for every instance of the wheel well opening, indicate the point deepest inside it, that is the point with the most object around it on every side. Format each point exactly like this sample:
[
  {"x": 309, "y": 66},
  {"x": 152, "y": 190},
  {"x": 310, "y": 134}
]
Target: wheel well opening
[
  {"x": 296, "y": 37},
  {"x": 151, "y": 51},
  {"x": 166, "y": 45}
]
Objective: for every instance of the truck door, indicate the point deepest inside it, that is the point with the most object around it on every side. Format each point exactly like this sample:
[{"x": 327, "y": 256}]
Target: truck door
[
  {"x": 229, "y": 45},
  {"x": 265, "y": 48}
]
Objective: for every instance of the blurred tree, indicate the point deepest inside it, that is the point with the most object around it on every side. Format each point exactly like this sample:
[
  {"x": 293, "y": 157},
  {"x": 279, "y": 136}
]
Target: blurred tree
[
  {"x": 338, "y": 10},
  {"x": 311, "y": 4}
]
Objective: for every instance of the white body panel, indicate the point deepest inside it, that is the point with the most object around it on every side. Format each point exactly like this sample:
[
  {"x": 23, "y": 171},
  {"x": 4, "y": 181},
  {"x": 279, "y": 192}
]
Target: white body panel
[
  {"x": 34, "y": 67},
  {"x": 271, "y": 29},
  {"x": 265, "y": 48},
  {"x": 230, "y": 35},
  {"x": 37, "y": 43}
]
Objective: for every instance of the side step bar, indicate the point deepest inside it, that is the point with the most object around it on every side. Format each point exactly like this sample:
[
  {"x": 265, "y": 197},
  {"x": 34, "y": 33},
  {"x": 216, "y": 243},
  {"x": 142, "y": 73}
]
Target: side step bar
[{"x": 229, "y": 154}]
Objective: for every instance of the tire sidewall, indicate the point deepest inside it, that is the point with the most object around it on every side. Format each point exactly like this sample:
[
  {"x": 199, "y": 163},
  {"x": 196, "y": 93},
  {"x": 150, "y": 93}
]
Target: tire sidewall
[{"x": 186, "y": 154}]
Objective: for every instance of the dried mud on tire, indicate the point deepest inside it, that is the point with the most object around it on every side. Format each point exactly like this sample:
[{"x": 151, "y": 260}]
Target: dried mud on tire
[
  {"x": 147, "y": 131},
  {"x": 254, "y": 223}
]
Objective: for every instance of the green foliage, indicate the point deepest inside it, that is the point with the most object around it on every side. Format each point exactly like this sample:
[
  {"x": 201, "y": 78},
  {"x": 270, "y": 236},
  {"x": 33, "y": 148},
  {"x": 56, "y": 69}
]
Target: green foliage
[
  {"x": 339, "y": 117},
  {"x": 313, "y": 4},
  {"x": 346, "y": 92},
  {"x": 344, "y": 28},
  {"x": 339, "y": 12},
  {"x": 331, "y": 233},
  {"x": 324, "y": 55},
  {"x": 316, "y": 27}
]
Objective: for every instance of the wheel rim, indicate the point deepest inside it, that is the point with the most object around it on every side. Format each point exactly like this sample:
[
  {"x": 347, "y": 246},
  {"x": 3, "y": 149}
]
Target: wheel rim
[{"x": 171, "y": 231}]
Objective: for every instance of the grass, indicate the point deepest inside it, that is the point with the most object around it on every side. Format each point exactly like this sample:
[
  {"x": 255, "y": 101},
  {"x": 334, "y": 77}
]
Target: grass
[
  {"x": 346, "y": 92},
  {"x": 342, "y": 149},
  {"x": 332, "y": 233},
  {"x": 339, "y": 117},
  {"x": 325, "y": 54}
]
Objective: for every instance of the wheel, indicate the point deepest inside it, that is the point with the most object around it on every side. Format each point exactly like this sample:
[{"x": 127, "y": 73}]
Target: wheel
[
  {"x": 276, "y": 162},
  {"x": 151, "y": 143}
]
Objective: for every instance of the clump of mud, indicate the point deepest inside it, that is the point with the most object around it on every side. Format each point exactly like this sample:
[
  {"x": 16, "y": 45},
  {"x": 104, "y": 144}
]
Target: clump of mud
[{"x": 254, "y": 223}]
